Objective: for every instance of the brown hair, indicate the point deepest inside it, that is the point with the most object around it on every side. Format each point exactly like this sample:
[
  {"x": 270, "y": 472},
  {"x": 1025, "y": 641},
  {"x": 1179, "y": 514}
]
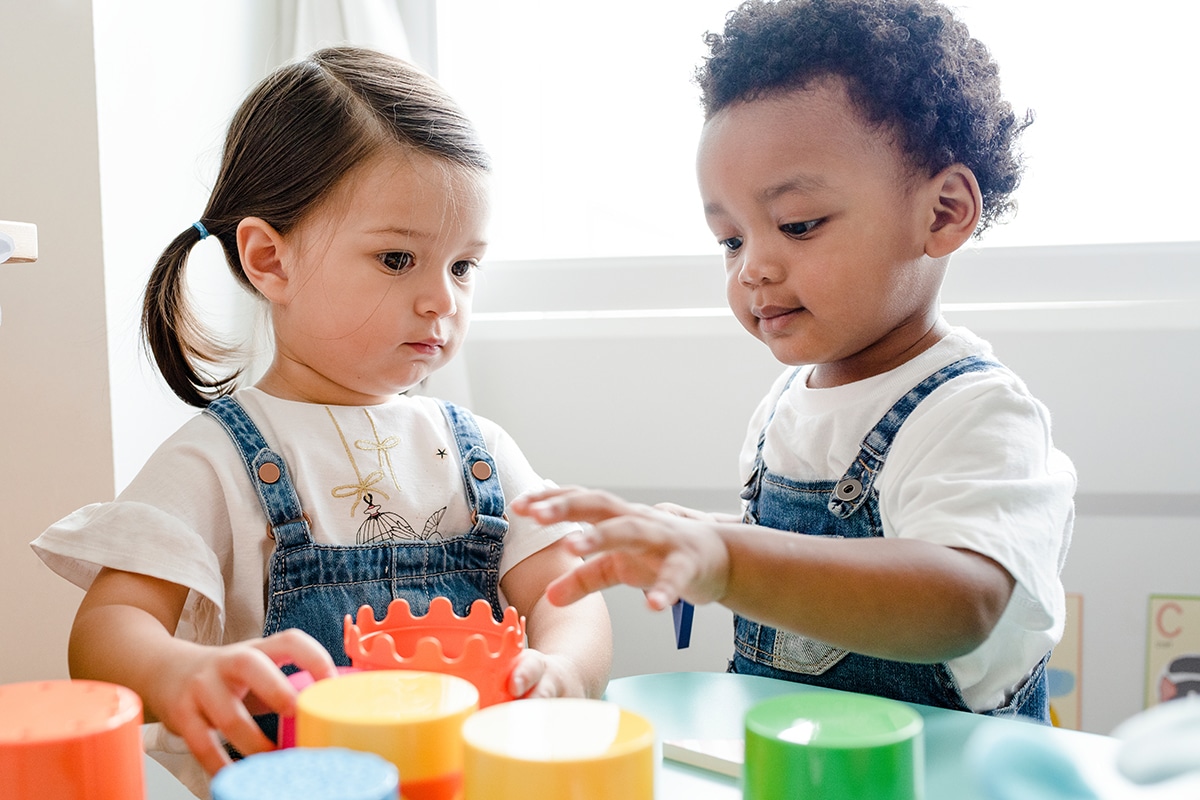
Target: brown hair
[{"x": 291, "y": 141}]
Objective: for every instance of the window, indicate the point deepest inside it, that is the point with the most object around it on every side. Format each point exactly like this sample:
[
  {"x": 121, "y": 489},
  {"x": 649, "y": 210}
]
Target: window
[{"x": 592, "y": 118}]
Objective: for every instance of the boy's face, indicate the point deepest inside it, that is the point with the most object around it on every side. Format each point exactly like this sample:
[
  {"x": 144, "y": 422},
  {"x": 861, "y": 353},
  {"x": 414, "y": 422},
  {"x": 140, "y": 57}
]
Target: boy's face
[{"x": 824, "y": 231}]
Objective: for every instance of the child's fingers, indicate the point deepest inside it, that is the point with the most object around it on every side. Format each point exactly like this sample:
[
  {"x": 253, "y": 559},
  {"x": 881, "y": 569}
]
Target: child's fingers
[
  {"x": 294, "y": 646},
  {"x": 203, "y": 742},
  {"x": 527, "y": 674},
  {"x": 575, "y": 505}
]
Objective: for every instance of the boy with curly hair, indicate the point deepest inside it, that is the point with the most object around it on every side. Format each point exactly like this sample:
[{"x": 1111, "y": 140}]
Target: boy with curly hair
[{"x": 906, "y": 514}]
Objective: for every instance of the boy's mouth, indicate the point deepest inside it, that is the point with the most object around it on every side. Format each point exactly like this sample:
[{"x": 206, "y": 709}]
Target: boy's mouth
[{"x": 774, "y": 318}]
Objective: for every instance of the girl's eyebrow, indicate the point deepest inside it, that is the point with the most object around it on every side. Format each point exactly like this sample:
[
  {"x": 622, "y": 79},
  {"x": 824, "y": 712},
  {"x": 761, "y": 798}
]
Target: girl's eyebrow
[{"x": 414, "y": 234}]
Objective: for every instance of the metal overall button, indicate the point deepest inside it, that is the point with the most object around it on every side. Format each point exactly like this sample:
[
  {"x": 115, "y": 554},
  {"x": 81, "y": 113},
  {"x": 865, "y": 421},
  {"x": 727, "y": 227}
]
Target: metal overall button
[
  {"x": 848, "y": 489},
  {"x": 268, "y": 472},
  {"x": 481, "y": 470}
]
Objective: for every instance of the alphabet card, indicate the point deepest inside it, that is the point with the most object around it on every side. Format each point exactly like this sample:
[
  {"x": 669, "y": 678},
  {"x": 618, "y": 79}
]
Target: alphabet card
[{"x": 1173, "y": 649}]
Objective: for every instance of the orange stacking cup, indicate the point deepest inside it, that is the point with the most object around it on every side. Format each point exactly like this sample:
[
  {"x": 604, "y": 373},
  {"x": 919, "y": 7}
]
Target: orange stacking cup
[
  {"x": 413, "y": 719},
  {"x": 475, "y": 647},
  {"x": 70, "y": 740},
  {"x": 559, "y": 748}
]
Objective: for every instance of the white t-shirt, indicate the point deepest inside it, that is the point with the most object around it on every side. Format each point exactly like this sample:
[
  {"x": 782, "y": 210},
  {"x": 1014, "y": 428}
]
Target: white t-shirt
[
  {"x": 192, "y": 517},
  {"x": 973, "y": 467}
]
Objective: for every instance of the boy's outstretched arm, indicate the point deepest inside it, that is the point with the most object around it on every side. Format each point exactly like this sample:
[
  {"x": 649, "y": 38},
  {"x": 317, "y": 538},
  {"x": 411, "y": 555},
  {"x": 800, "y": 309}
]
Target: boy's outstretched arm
[
  {"x": 124, "y": 633},
  {"x": 570, "y": 646},
  {"x": 893, "y": 598}
]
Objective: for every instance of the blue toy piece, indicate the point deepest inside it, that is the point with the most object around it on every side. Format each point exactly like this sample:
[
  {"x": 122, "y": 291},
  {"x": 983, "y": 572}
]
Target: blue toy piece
[
  {"x": 683, "y": 612},
  {"x": 303, "y": 773}
]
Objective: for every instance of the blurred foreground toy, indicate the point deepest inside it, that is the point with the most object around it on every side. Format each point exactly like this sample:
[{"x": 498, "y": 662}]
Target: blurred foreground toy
[
  {"x": 1162, "y": 742},
  {"x": 412, "y": 719},
  {"x": 325, "y": 773},
  {"x": 558, "y": 748},
  {"x": 70, "y": 740},
  {"x": 476, "y": 647}
]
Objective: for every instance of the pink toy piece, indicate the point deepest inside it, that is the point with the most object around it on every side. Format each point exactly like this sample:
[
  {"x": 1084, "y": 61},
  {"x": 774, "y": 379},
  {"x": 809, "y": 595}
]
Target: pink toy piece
[
  {"x": 287, "y": 725},
  {"x": 475, "y": 647}
]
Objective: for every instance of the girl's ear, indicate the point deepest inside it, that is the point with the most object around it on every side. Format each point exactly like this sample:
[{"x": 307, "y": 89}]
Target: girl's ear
[
  {"x": 262, "y": 251},
  {"x": 956, "y": 209}
]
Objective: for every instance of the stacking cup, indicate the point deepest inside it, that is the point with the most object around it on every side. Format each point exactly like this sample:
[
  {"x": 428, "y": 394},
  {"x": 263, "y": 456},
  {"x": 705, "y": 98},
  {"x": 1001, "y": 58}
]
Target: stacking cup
[
  {"x": 326, "y": 773},
  {"x": 833, "y": 746},
  {"x": 558, "y": 748},
  {"x": 70, "y": 740},
  {"x": 413, "y": 719}
]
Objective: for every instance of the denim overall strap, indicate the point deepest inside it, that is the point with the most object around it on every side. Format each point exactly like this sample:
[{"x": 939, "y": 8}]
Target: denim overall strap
[
  {"x": 267, "y": 471},
  {"x": 480, "y": 478},
  {"x": 831, "y": 509},
  {"x": 855, "y": 485},
  {"x": 754, "y": 483}
]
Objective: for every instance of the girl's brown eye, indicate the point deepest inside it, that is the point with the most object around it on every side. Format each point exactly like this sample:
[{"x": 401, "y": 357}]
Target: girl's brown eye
[
  {"x": 397, "y": 261},
  {"x": 461, "y": 269}
]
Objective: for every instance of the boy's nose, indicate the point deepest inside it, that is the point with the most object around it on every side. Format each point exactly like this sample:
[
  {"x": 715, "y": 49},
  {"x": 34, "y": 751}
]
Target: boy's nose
[{"x": 759, "y": 265}]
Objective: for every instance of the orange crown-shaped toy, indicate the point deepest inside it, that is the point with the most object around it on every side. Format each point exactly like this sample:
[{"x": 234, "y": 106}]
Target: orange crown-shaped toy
[{"x": 474, "y": 647}]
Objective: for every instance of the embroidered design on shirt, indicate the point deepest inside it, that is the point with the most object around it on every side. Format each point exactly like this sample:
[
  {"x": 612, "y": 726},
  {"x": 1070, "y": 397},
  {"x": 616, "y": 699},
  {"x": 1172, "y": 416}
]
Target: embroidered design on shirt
[
  {"x": 441, "y": 453},
  {"x": 359, "y": 491},
  {"x": 383, "y": 449},
  {"x": 386, "y": 526}
]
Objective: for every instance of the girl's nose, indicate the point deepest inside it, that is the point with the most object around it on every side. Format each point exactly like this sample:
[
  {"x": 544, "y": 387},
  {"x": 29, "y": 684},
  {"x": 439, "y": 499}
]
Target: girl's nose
[{"x": 436, "y": 295}]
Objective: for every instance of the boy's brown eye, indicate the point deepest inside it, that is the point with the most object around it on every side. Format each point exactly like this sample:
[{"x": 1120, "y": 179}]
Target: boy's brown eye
[
  {"x": 732, "y": 244},
  {"x": 799, "y": 228},
  {"x": 397, "y": 261},
  {"x": 462, "y": 269}
]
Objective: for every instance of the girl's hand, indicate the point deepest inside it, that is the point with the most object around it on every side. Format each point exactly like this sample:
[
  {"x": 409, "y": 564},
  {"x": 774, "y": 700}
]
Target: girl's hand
[
  {"x": 210, "y": 693},
  {"x": 667, "y": 555},
  {"x": 539, "y": 674}
]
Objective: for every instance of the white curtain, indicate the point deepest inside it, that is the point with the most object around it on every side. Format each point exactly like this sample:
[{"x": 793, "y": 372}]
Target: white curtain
[{"x": 306, "y": 25}]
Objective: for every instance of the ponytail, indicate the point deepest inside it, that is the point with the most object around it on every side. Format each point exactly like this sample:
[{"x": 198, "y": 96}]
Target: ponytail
[{"x": 179, "y": 343}]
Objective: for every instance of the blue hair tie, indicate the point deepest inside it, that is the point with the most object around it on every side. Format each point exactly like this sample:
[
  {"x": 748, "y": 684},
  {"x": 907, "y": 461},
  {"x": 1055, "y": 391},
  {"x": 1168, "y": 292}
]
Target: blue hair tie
[{"x": 203, "y": 230}]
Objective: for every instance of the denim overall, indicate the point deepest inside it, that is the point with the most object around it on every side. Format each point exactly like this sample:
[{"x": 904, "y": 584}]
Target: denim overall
[
  {"x": 849, "y": 508},
  {"x": 313, "y": 586}
]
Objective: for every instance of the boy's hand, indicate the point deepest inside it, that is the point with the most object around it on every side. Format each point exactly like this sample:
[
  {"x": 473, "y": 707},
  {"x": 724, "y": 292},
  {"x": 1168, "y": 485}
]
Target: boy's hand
[
  {"x": 667, "y": 555},
  {"x": 212, "y": 692}
]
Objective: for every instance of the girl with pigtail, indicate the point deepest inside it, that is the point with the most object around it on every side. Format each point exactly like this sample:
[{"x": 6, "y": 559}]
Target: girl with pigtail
[{"x": 352, "y": 200}]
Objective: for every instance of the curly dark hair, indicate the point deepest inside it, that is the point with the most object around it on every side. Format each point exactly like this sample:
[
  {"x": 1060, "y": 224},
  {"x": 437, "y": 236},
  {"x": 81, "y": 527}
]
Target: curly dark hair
[{"x": 909, "y": 65}]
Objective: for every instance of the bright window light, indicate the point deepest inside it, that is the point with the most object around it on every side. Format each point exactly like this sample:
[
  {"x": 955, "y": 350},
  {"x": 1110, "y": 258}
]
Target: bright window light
[{"x": 592, "y": 118}]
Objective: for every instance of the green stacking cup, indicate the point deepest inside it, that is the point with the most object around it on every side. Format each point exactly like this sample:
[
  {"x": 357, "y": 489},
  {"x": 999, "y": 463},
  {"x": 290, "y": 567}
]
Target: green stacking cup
[{"x": 833, "y": 746}]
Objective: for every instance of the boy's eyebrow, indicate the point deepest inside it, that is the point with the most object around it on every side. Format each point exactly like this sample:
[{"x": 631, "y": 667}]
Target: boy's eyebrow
[
  {"x": 801, "y": 184},
  {"x": 797, "y": 183}
]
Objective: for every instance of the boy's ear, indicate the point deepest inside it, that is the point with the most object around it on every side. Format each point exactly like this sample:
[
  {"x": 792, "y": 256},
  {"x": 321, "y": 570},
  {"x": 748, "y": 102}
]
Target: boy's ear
[
  {"x": 262, "y": 251},
  {"x": 956, "y": 209}
]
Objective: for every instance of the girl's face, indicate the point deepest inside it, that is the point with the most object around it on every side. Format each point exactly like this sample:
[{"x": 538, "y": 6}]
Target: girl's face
[
  {"x": 824, "y": 231},
  {"x": 379, "y": 282}
]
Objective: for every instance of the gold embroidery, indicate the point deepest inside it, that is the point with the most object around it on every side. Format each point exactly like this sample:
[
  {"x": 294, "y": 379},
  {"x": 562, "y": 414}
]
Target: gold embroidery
[
  {"x": 381, "y": 448},
  {"x": 356, "y": 490}
]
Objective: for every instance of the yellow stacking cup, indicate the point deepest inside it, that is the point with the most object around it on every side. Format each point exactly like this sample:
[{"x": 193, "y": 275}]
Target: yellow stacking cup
[
  {"x": 413, "y": 719},
  {"x": 558, "y": 748}
]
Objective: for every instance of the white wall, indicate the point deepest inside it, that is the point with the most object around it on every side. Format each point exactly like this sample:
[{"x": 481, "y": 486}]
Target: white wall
[
  {"x": 55, "y": 434},
  {"x": 108, "y": 140}
]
